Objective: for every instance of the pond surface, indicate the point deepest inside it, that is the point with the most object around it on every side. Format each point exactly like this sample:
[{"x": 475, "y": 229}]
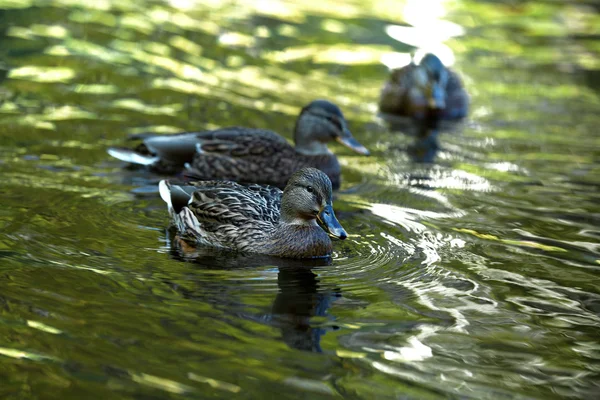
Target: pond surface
[{"x": 472, "y": 276}]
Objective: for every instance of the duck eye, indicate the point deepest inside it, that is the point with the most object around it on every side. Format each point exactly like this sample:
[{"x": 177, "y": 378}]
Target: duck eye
[{"x": 309, "y": 189}]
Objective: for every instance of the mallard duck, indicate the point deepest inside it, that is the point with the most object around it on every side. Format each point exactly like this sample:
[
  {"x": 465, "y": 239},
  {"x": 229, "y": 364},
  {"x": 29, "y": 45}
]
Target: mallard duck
[
  {"x": 257, "y": 218},
  {"x": 426, "y": 90},
  {"x": 250, "y": 155}
]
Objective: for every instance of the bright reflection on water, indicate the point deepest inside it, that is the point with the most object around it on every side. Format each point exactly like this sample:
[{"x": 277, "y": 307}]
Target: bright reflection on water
[{"x": 472, "y": 262}]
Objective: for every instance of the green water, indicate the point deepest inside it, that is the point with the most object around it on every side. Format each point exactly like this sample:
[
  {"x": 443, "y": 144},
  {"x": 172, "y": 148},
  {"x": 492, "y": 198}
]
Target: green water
[{"x": 475, "y": 276}]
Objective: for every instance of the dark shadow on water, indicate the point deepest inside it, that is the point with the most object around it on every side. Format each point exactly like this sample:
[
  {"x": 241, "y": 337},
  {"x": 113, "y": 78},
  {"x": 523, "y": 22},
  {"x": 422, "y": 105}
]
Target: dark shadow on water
[
  {"x": 425, "y": 133},
  {"x": 425, "y": 146},
  {"x": 299, "y": 300},
  {"x": 300, "y": 296}
]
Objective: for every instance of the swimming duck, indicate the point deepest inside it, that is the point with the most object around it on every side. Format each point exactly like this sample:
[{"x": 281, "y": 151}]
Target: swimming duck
[
  {"x": 250, "y": 155},
  {"x": 426, "y": 90},
  {"x": 257, "y": 218}
]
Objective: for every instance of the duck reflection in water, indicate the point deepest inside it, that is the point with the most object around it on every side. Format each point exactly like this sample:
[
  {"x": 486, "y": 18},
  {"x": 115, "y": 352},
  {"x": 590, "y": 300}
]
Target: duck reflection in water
[
  {"x": 299, "y": 299},
  {"x": 425, "y": 146},
  {"x": 300, "y": 295}
]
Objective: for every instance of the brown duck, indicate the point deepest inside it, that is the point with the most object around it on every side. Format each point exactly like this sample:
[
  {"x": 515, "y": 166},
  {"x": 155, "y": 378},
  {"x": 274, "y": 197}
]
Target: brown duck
[
  {"x": 256, "y": 218},
  {"x": 250, "y": 155},
  {"x": 425, "y": 90}
]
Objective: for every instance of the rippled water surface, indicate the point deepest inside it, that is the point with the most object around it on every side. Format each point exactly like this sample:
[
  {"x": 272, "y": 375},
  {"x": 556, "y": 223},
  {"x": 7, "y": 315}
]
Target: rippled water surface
[{"x": 472, "y": 276}]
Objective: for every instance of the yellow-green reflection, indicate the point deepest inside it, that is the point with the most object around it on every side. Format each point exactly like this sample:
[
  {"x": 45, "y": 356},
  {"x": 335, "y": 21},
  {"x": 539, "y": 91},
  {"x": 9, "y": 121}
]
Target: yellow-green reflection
[
  {"x": 342, "y": 54},
  {"x": 160, "y": 383},
  {"x": 10, "y": 4},
  {"x": 37, "y": 30},
  {"x": 96, "y": 89},
  {"x": 13, "y": 353},
  {"x": 43, "y": 74},
  {"x": 215, "y": 383},
  {"x": 186, "y": 45},
  {"x": 236, "y": 39},
  {"x": 96, "y": 17},
  {"x": 68, "y": 112},
  {"x": 137, "y": 105},
  {"x": 43, "y": 327}
]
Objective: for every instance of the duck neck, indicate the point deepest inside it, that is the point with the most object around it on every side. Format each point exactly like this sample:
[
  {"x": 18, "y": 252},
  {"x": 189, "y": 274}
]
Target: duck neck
[
  {"x": 312, "y": 149},
  {"x": 300, "y": 240},
  {"x": 297, "y": 221},
  {"x": 306, "y": 135},
  {"x": 288, "y": 217}
]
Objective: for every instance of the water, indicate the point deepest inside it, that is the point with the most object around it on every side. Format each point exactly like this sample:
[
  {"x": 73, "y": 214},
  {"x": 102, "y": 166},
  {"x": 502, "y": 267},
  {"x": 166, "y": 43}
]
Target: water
[{"x": 475, "y": 276}]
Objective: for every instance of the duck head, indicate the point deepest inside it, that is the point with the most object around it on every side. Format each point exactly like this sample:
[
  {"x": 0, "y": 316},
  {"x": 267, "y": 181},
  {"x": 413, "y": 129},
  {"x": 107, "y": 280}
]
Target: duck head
[
  {"x": 307, "y": 199},
  {"x": 322, "y": 122},
  {"x": 431, "y": 77}
]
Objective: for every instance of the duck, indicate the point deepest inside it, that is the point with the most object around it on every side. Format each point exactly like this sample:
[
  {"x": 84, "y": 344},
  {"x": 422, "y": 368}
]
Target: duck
[
  {"x": 249, "y": 155},
  {"x": 294, "y": 223},
  {"x": 427, "y": 90}
]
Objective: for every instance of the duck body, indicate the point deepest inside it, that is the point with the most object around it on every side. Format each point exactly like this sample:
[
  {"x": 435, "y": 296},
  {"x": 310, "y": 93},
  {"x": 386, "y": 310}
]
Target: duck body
[
  {"x": 257, "y": 218},
  {"x": 427, "y": 90},
  {"x": 249, "y": 155},
  {"x": 257, "y": 156}
]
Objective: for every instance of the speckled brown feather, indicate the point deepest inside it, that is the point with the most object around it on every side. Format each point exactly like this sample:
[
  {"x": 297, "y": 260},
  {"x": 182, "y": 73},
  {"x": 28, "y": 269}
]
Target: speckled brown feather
[
  {"x": 247, "y": 218},
  {"x": 229, "y": 202}
]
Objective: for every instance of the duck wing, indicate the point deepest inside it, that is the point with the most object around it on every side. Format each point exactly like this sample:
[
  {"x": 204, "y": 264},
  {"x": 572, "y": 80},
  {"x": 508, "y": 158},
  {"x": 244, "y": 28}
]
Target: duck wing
[
  {"x": 235, "y": 204},
  {"x": 235, "y": 141},
  {"x": 245, "y": 155},
  {"x": 393, "y": 97},
  {"x": 224, "y": 202},
  {"x": 457, "y": 99},
  {"x": 240, "y": 142}
]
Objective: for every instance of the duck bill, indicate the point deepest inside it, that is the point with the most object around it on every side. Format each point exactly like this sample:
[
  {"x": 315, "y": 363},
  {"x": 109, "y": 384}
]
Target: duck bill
[
  {"x": 330, "y": 223},
  {"x": 351, "y": 143}
]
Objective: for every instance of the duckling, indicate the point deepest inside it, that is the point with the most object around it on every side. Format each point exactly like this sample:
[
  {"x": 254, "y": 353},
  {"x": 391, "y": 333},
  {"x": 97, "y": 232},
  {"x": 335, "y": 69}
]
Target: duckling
[
  {"x": 250, "y": 155},
  {"x": 426, "y": 90},
  {"x": 257, "y": 218}
]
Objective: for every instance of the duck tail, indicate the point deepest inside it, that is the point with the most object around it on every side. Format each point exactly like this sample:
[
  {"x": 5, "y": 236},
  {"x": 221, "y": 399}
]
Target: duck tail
[
  {"x": 165, "y": 193},
  {"x": 131, "y": 156},
  {"x": 175, "y": 196}
]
